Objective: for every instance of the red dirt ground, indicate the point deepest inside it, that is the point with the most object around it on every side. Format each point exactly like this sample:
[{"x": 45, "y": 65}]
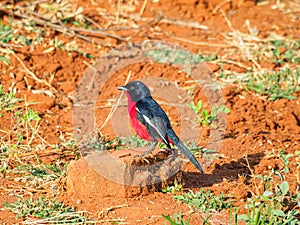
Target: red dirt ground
[{"x": 254, "y": 126}]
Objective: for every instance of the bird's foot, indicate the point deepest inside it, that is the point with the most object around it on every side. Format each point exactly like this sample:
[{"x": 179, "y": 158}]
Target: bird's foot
[
  {"x": 141, "y": 156},
  {"x": 169, "y": 150},
  {"x": 144, "y": 157}
]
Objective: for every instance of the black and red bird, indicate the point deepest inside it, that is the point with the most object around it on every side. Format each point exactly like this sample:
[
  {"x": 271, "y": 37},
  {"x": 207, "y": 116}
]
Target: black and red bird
[{"x": 150, "y": 121}]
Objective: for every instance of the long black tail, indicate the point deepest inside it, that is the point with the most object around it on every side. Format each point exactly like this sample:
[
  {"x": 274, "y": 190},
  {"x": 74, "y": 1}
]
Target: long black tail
[
  {"x": 189, "y": 155},
  {"x": 184, "y": 149}
]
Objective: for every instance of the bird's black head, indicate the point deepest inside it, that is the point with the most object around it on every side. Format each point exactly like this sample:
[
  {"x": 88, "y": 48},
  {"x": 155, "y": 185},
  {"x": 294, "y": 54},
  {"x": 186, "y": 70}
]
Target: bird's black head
[{"x": 136, "y": 89}]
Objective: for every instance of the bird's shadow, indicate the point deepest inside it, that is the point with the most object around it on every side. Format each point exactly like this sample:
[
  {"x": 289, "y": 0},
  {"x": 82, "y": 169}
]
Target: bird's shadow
[{"x": 227, "y": 171}]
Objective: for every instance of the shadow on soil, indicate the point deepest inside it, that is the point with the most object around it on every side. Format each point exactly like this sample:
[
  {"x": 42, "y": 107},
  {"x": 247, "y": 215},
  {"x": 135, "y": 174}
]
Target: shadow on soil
[{"x": 225, "y": 171}]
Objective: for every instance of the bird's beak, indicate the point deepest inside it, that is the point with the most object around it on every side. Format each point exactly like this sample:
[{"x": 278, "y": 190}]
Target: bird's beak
[{"x": 122, "y": 88}]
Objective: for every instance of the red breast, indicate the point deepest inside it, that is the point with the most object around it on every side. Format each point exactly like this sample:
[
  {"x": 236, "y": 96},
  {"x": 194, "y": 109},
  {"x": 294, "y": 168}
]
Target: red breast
[{"x": 139, "y": 128}]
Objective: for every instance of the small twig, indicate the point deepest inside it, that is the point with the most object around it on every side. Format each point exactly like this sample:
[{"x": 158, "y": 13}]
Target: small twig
[
  {"x": 33, "y": 76},
  {"x": 199, "y": 42},
  {"x": 219, "y": 6},
  {"x": 183, "y": 23},
  {"x": 62, "y": 28},
  {"x": 90, "y": 85},
  {"x": 125, "y": 155},
  {"x": 233, "y": 63},
  {"x": 93, "y": 22},
  {"x": 99, "y": 32},
  {"x": 31, "y": 73},
  {"x": 114, "y": 108},
  {"x": 176, "y": 22},
  {"x": 105, "y": 211}
]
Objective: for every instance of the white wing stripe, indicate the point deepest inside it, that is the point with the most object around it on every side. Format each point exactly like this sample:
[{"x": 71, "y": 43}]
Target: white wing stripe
[{"x": 152, "y": 125}]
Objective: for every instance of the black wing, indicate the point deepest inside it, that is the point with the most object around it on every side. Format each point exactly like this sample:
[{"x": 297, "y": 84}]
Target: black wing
[{"x": 154, "y": 118}]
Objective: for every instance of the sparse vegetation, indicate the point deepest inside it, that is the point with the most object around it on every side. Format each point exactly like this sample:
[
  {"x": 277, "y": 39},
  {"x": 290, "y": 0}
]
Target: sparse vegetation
[
  {"x": 173, "y": 189},
  {"x": 204, "y": 117},
  {"x": 176, "y": 220},
  {"x": 272, "y": 203},
  {"x": 7, "y": 100},
  {"x": 40, "y": 207},
  {"x": 277, "y": 84},
  {"x": 284, "y": 51},
  {"x": 205, "y": 200},
  {"x": 22, "y": 142},
  {"x": 135, "y": 141},
  {"x": 260, "y": 58}
]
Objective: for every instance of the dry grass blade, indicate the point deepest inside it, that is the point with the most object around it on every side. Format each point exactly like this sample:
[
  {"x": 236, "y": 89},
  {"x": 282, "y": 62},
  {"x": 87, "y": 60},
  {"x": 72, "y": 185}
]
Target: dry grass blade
[
  {"x": 239, "y": 64},
  {"x": 6, "y": 45},
  {"x": 114, "y": 108},
  {"x": 199, "y": 42},
  {"x": 218, "y": 7},
  {"x": 32, "y": 75},
  {"x": 105, "y": 211},
  {"x": 253, "y": 176},
  {"x": 118, "y": 11},
  {"x": 65, "y": 98},
  {"x": 239, "y": 41},
  {"x": 143, "y": 7},
  {"x": 99, "y": 32},
  {"x": 184, "y": 23},
  {"x": 164, "y": 19}
]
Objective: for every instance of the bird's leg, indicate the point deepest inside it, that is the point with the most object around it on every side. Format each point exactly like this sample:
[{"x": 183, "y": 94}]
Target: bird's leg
[
  {"x": 150, "y": 148},
  {"x": 169, "y": 148}
]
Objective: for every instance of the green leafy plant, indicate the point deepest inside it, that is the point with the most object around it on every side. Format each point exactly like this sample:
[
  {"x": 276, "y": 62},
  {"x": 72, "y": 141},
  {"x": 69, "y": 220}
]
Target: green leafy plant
[
  {"x": 28, "y": 122},
  {"x": 205, "y": 220},
  {"x": 278, "y": 84},
  {"x": 284, "y": 51},
  {"x": 178, "y": 220},
  {"x": 204, "y": 117},
  {"x": 196, "y": 150},
  {"x": 5, "y": 33},
  {"x": 9, "y": 34},
  {"x": 25, "y": 120},
  {"x": 115, "y": 143},
  {"x": 24, "y": 138},
  {"x": 269, "y": 210},
  {"x": 285, "y": 159},
  {"x": 276, "y": 204},
  {"x": 51, "y": 171},
  {"x": 173, "y": 189},
  {"x": 205, "y": 200},
  {"x": 7, "y": 100}
]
